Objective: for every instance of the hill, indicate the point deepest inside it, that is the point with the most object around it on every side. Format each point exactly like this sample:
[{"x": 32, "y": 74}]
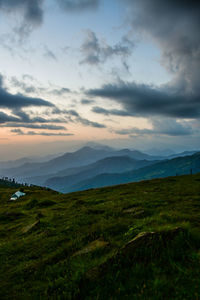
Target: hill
[
  {"x": 176, "y": 166},
  {"x": 117, "y": 164},
  {"x": 132, "y": 241}
]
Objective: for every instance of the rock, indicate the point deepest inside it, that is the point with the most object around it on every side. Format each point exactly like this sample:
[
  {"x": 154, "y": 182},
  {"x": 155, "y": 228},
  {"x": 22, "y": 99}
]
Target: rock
[
  {"x": 143, "y": 248},
  {"x": 155, "y": 240}
]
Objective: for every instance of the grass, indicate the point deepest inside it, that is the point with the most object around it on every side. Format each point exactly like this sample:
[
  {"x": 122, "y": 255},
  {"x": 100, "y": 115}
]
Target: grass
[{"x": 74, "y": 246}]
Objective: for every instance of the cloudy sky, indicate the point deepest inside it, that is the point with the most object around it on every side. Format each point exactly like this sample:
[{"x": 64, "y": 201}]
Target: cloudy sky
[{"x": 123, "y": 72}]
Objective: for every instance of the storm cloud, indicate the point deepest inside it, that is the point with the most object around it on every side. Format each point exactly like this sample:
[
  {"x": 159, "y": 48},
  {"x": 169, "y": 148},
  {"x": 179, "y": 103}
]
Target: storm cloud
[
  {"x": 146, "y": 100},
  {"x": 174, "y": 27}
]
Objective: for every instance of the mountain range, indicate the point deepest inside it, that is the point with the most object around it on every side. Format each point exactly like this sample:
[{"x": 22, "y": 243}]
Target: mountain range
[
  {"x": 98, "y": 166},
  {"x": 116, "y": 164},
  {"x": 177, "y": 166},
  {"x": 82, "y": 157}
]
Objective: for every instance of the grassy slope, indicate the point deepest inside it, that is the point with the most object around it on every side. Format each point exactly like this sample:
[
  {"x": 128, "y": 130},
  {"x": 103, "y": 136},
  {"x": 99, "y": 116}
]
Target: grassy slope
[{"x": 39, "y": 262}]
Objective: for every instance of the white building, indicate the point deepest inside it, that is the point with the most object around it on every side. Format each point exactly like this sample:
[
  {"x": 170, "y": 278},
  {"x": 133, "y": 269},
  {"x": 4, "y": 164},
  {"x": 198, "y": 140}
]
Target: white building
[{"x": 17, "y": 195}]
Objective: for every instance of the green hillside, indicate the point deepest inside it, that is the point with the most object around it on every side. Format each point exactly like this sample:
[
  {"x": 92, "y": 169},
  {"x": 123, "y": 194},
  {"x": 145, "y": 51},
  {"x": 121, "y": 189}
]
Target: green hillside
[{"x": 133, "y": 241}]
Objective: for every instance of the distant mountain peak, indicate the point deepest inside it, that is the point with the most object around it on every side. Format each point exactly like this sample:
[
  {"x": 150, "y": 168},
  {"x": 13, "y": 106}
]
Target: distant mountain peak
[
  {"x": 85, "y": 149},
  {"x": 98, "y": 146}
]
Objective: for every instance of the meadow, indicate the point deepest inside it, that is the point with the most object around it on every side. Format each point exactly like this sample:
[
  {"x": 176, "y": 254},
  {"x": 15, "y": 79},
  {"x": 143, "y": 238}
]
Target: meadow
[{"x": 132, "y": 241}]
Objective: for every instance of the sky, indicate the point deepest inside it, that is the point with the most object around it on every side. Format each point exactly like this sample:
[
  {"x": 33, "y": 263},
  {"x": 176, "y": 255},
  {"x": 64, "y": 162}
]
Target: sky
[{"x": 120, "y": 72}]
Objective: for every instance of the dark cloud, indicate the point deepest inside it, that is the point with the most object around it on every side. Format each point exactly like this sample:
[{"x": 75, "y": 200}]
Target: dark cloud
[
  {"x": 78, "y": 5},
  {"x": 8, "y": 100},
  {"x": 108, "y": 112},
  {"x": 145, "y": 100},
  {"x": 168, "y": 127},
  {"x": 7, "y": 118},
  {"x": 20, "y": 132},
  {"x": 94, "y": 51},
  {"x": 11, "y": 101},
  {"x": 87, "y": 101},
  {"x": 36, "y": 126}
]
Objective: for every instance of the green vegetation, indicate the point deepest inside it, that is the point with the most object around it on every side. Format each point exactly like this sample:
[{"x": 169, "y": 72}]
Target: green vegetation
[
  {"x": 9, "y": 183},
  {"x": 132, "y": 241}
]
